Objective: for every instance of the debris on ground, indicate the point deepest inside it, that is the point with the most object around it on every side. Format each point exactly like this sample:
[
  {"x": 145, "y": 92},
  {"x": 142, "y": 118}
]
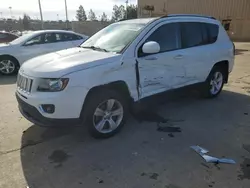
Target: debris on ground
[
  {"x": 135, "y": 153},
  {"x": 209, "y": 159},
  {"x": 100, "y": 181},
  {"x": 169, "y": 129},
  {"x": 171, "y": 135},
  {"x": 154, "y": 176},
  {"x": 245, "y": 170}
]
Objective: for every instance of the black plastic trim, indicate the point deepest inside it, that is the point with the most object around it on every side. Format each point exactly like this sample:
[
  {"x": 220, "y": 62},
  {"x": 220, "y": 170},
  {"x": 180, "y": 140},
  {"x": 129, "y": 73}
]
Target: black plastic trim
[{"x": 189, "y": 15}]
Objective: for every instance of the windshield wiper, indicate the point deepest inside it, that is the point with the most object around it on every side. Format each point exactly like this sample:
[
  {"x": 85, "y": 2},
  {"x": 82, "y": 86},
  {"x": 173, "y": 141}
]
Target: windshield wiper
[{"x": 95, "y": 48}]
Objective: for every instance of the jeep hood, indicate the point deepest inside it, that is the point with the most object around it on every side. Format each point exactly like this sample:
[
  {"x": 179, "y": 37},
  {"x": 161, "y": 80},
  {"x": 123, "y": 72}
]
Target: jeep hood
[{"x": 66, "y": 61}]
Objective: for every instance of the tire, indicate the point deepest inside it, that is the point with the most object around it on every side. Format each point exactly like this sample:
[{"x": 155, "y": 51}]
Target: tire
[
  {"x": 8, "y": 65},
  {"x": 102, "y": 100},
  {"x": 215, "y": 82}
]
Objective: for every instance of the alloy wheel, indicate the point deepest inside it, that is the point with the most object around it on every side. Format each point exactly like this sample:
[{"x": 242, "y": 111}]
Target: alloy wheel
[
  {"x": 7, "y": 66},
  {"x": 108, "y": 116},
  {"x": 216, "y": 83}
]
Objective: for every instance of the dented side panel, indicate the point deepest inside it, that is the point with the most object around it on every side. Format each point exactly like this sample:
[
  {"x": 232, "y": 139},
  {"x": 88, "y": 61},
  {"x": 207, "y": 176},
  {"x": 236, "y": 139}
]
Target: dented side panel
[
  {"x": 121, "y": 70},
  {"x": 163, "y": 73}
]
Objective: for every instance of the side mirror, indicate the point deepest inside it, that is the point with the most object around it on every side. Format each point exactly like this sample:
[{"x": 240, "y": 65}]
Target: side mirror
[{"x": 151, "y": 47}]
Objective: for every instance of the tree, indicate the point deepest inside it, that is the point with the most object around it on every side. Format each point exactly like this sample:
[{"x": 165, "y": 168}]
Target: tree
[
  {"x": 118, "y": 13},
  {"x": 26, "y": 22},
  {"x": 131, "y": 11},
  {"x": 80, "y": 14},
  {"x": 92, "y": 16},
  {"x": 104, "y": 17}
]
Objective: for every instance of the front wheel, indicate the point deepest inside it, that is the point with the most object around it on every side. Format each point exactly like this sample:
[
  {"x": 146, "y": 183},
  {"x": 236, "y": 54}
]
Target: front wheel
[
  {"x": 214, "y": 83},
  {"x": 106, "y": 113}
]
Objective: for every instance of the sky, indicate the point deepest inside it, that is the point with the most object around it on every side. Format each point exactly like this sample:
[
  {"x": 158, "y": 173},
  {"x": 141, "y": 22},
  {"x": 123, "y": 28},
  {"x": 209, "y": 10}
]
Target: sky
[{"x": 55, "y": 9}]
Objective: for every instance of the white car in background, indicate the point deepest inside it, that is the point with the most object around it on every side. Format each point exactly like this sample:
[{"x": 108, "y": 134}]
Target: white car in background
[{"x": 15, "y": 53}]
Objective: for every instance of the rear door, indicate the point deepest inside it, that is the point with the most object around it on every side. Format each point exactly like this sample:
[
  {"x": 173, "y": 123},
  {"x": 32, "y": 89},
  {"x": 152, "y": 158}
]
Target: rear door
[
  {"x": 56, "y": 41},
  {"x": 197, "y": 50}
]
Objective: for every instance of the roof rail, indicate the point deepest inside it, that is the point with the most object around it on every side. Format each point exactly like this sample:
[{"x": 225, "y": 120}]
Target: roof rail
[
  {"x": 190, "y": 15},
  {"x": 124, "y": 19}
]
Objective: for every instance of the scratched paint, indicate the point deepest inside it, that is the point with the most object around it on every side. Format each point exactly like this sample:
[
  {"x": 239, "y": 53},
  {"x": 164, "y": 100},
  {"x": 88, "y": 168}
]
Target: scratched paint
[{"x": 87, "y": 69}]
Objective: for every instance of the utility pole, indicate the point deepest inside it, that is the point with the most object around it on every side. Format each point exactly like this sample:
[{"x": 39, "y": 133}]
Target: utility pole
[
  {"x": 10, "y": 12},
  {"x": 41, "y": 14},
  {"x": 66, "y": 10},
  {"x": 1, "y": 13},
  {"x": 126, "y": 9}
]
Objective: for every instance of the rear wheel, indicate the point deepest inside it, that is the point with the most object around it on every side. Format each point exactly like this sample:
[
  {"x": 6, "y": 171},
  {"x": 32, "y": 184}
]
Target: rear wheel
[
  {"x": 8, "y": 65},
  {"x": 106, "y": 113},
  {"x": 215, "y": 82}
]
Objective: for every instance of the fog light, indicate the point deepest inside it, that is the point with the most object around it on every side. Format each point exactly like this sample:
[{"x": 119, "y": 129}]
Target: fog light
[{"x": 48, "y": 108}]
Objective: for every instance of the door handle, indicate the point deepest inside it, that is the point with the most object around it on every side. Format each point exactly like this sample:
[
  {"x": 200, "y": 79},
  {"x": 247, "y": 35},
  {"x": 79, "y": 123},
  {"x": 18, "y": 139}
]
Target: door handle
[
  {"x": 151, "y": 58},
  {"x": 178, "y": 57}
]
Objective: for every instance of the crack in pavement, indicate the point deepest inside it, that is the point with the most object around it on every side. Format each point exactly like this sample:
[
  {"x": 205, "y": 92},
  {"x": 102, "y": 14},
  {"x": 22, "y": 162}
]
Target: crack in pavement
[
  {"x": 244, "y": 76},
  {"x": 46, "y": 136},
  {"x": 22, "y": 147}
]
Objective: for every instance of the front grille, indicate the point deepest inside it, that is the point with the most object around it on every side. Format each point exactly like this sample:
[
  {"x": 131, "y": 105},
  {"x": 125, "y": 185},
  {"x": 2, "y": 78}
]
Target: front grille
[{"x": 24, "y": 83}]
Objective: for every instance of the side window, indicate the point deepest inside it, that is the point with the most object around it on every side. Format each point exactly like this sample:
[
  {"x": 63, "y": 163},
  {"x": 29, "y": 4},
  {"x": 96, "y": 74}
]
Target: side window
[
  {"x": 209, "y": 33},
  {"x": 76, "y": 37},
  {"x": 66, "y": 37},
  {"x": 58, "y": 37},
  {"x": 213, "y": 31},
  {"x": 70, "y": 37},
  {"x": 10, "y": 36},
  {"x": 36, "y": 40},
  {"x": 205, "y": 35},
  {"x": 2, "y": 36},
  {"x": 191, "y": 33},
  {"x": 50, "y": 38},
  {"x": 167, "y": 36}
]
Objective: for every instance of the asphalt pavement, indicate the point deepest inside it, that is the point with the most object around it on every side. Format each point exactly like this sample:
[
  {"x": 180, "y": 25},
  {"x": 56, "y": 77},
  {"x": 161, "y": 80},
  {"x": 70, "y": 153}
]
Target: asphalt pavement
[{"x": 152, "y": 150}]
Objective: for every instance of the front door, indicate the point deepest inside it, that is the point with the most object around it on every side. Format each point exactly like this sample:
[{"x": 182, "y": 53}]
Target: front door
[
  {"x": 164, "y": 70},
  {"x": 32, "y": 48}
]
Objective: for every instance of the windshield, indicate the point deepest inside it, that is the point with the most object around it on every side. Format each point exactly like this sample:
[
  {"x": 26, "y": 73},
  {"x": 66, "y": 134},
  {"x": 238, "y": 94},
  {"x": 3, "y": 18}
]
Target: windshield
[
  {"x": 115, "y": 37},
  {"x": 22, "y": 39}
]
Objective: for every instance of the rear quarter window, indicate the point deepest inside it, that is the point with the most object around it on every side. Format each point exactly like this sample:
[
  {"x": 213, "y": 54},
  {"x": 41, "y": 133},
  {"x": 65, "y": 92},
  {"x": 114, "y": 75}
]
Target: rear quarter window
[
  {"x": 191, "y": 34},
  {"x": 213, "y": 31},
  {"x": 197, "y": 34},
  {"x": 71, "y": 37}
]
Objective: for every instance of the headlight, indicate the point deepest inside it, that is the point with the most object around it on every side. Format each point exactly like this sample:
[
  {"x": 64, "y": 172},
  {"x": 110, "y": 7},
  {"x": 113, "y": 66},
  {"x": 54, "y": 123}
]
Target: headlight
[{"x": 52, "y": 84}]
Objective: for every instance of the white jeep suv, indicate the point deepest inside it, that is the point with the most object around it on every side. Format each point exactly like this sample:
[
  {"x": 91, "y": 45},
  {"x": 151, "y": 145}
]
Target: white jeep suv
[{"x": 126, "y": 61}]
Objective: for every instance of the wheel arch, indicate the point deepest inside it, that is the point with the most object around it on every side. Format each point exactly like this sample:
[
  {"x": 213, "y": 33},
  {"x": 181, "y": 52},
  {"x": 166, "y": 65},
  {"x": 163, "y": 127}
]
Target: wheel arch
[
  {"x": 224, "y": 64},
  {"x": 119, "y": 86},
  {"x": 10, "y": 56}
]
